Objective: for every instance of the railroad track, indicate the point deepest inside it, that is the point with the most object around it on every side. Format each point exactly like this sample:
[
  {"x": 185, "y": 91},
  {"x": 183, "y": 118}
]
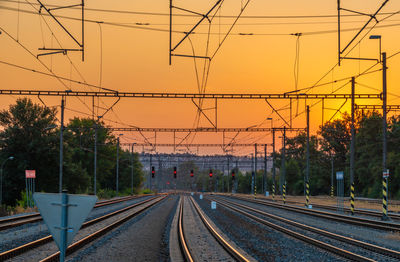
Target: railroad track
[
  {"x": 186, "y": 251},
  {"x": 377, "y": 214},
  {"x": 78, "y": 244},
  {"x": 36, "y": 217},
  {"x": 359, "y": 221},
  {"x": 343, "y": 239}
]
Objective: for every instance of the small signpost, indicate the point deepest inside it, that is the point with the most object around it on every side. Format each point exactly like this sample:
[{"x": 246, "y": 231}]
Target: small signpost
[
  {"x": 201, "y": 196},
  {"x": 385, "y": 174},
  {"x": 64, "y": 214},
  {"x": 213, "y": 205},
  {"x": 30, "y": 176},
  {"x": 340, "y": 190}
]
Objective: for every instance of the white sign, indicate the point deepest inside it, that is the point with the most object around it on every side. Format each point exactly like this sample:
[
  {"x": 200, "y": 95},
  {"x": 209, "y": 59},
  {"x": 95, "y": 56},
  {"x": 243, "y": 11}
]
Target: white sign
[
  {"x": 339, "y": 175},
  {"x": 49, "y": 205},
  {"x": 201, "y": 196},
  {"x": 267, "y": 193},
  {"x": 30, "y": 173},
  {"x": 386, "y": 173},
  {"x": 213, "y": 205},
  {"x": 191, "y": 194}
]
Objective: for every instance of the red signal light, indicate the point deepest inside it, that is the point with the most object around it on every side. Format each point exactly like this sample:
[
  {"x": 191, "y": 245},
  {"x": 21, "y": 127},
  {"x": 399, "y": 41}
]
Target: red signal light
[
  {"x": 233, "y": 175},
  {"x": 191, "y": 173},
  {"x": 174, "y": 171},
  {"x": 211, "y": 174},
  {"x": 153, "y": 172}
]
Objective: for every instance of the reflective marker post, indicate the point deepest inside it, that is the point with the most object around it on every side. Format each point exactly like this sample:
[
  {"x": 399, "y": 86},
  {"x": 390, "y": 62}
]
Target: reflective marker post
[{"x": 385, "y": 195}]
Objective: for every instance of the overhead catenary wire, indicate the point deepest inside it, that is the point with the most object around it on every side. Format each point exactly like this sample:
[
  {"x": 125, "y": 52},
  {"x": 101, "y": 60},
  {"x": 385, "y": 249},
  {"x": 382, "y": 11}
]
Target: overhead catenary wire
[
  {"x": 224, "y": 16},
  {"x": 147, "y": 28}
]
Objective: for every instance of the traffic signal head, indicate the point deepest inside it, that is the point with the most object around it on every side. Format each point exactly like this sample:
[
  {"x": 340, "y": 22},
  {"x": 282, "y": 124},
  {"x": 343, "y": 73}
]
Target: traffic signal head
[
  {"x": 153, "y": 172},
  {"x": 211, "y": 174},
  {"x": 174, "y": 171},
  {"x": 191, "y": 173},
  {"x": 233, "y": 175}
]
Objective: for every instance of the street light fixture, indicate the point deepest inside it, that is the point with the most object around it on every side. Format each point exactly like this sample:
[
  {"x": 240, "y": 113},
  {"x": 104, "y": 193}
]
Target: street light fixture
[
  {"x": 1, "y": 178},
  {"x": 380, "y": 44}
]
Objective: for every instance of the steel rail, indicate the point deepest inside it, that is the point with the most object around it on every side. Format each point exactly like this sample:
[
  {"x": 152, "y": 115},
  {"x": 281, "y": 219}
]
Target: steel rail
[
  {"x": 185, "y": 95},
  {"x": 377, "y": 214},
  {"x": 352, "y": 241},
  {"x": 29, "y": 246},
  {"x": 181, "y": 235},
  {"x": 332, "y": 216},
  {"x": 90, "y": 238},
  {"x": 229, "y": 248},
  {"x": 338, "y": 251},
  {"x": 32, "y": 218}
]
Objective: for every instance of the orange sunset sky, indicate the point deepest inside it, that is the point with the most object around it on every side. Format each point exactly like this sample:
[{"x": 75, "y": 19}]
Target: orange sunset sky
[{"x": 128, "y": 52}]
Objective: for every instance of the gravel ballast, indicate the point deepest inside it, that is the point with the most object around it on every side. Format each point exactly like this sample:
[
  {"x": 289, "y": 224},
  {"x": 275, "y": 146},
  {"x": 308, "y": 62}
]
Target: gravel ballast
[
  {"x": 143, "y": 238},
  {"x": 375, "y": 236},
  {"x": 262, "y": 242},
  {"x": 23, "y": 234}
]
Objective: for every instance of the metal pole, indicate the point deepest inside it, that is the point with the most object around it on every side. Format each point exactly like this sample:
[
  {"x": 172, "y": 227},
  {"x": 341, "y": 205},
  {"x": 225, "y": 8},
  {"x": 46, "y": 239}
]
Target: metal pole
[
  {"x": 228, "y": 166},
  {"x": 117, "y": 173},
  {"x": 151, "y": 163},
  {"x": 95, "y": 160},
  {"x": 339, "y": 48},
  {"x": 64, "y": 224},
  {"x": 132, "y": 170},
  {"x": 265, "y": 189},
  {"x": 252, "y": 174},
  {"x": 352, "y": 147},
  {"x": 255, "y": 169},
  {"x": 273, "y": 164},
  {"x": 332, "y": 171},
  {"x": 384, "y": 142},
  {"x": 170, "y": 33},
  {"x": 1, "y": 186},
  {"x": 61, "y": 144},
  {"x": 308, "y": 159},
  {"x": 283, "y": 168}
]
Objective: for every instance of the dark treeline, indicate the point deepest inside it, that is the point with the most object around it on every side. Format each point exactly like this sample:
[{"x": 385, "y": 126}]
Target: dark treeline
[
  {"x": 330, "y": 145},
  {"x": 30, "y": 134},
  {"x": 333, "y": 143}
]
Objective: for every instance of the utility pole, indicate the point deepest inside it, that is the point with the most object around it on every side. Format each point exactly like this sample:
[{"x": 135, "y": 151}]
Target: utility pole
[
  {"x": 228, "y": 166},
  {"x": 252, "y": 174},
  {"x": 151, "y": 164},
  {"x": 385, "y": 172},
  {"x": 95, "y": 159},
  {"x": 117, "y": 173},
  {"x": 255, "y": 169},
  {"x": 352, "y": 147},
  {"x": 332, "y": 171},
  {"x": 61, "y": 145},
  {"x": 273, "y": 164},
  {"x": 265, "y": 182},
  {"x": 283, "y": 161},
  {"x": 132, "y": 156},
  {"x": 308, "y": 159}
]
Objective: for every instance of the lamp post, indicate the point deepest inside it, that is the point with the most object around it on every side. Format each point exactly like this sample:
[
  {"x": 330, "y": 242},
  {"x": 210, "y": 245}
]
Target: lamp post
[
  {"x": 117, "y": 170},
  {"x": 265, "y": 184},
  {"x": 385, "y": 171},
  {"x": 1, "y": 178},
  {"x": 132, "y": 167}
]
